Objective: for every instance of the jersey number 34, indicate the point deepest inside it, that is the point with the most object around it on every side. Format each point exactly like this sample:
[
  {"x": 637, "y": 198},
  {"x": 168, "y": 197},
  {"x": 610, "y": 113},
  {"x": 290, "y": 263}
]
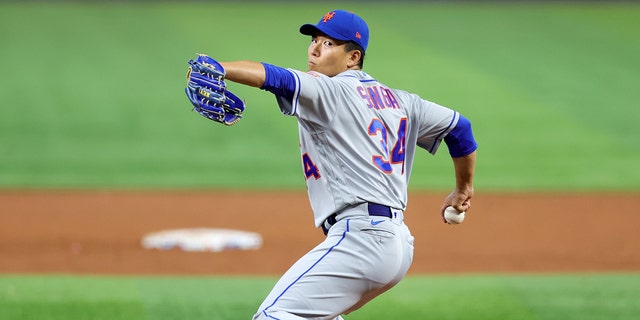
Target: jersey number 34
[
  {"x": 382, "y": 162},
  {"x": 396, "y": 154}
]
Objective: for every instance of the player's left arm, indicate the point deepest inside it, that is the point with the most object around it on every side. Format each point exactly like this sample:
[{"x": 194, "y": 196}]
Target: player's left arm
[
  {"x": 207, "y": 90},
  {"x": 250, "y": 73},
  {"x": 277, "y": 80},
  {"x": 285, "y": 84}
]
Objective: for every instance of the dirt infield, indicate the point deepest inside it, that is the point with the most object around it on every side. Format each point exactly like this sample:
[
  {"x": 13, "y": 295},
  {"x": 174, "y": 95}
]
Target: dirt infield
[{"x": 100, "y": 232}]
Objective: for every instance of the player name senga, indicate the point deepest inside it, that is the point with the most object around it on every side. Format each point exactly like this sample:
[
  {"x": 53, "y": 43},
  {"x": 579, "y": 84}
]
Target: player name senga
[{"x": 378, "y": 97}]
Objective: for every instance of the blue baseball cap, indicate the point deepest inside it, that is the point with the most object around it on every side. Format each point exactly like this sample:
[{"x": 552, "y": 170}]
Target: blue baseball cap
[{"x": 340, "y": 25}]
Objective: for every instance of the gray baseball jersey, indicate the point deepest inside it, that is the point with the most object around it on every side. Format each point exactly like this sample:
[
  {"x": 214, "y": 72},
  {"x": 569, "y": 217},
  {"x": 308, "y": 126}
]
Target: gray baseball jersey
[{"x": 358, "y": 138}]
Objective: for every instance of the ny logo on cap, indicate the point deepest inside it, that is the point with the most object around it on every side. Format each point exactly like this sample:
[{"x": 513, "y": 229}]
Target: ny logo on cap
[{"x": 328, "y": 16}]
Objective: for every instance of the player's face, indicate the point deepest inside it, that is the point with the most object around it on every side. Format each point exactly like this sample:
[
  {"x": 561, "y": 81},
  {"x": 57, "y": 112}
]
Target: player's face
[{"x": 328, "y": 56}]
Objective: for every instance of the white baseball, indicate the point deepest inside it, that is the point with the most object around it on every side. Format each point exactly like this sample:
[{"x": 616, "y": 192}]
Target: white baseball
[{"x": 453, "y": 216}]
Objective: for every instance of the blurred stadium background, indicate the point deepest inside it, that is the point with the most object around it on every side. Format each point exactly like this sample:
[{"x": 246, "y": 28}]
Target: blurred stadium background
[{"x": 91, "y": 98}]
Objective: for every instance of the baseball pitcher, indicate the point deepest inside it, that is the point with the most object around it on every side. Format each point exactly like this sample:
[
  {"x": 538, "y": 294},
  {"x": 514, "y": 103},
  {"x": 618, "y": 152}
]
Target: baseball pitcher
[{"x": 358, "y": 139}]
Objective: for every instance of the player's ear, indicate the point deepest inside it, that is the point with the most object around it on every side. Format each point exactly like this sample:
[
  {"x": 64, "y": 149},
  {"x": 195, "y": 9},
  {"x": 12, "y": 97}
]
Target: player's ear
[{"x": 354, "y": 58}]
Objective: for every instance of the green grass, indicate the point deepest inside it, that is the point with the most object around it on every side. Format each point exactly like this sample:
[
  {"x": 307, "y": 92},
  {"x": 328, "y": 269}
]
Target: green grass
[
  {"x": 92, "y": 94},
  {"x": 473, "y": 297}
]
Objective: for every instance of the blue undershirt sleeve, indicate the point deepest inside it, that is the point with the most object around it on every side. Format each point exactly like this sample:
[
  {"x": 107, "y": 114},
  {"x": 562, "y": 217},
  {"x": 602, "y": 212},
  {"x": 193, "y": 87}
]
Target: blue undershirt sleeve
[
  {"x": 278, "y": 81},
  {"x": 460, "y": 140}
]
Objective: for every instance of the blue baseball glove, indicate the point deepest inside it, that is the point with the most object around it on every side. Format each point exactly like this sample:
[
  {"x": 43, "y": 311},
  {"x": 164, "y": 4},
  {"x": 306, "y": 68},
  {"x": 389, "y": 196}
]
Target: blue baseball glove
[{"x": 208, "y": 93}]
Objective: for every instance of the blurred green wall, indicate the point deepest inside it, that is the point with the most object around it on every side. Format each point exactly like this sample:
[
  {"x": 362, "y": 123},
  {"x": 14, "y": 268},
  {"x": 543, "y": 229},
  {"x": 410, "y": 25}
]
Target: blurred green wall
[{"x": 91, "y": 94}]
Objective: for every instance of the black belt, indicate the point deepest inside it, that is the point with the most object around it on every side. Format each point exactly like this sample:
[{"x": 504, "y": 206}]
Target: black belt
[{"x": 374, "y": 209}]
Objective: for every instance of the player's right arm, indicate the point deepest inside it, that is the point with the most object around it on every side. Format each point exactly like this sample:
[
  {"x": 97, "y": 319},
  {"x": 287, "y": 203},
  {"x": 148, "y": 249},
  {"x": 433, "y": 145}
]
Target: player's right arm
[
  {"x": 464, "y": 168},
  {"x": 462, "y": 147},
  {"x": 436, "y": 123}
]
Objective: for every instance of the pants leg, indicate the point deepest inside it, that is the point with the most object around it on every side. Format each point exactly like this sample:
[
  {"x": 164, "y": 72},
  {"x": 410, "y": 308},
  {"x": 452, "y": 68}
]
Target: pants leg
[{"x": 355, "y": 263}]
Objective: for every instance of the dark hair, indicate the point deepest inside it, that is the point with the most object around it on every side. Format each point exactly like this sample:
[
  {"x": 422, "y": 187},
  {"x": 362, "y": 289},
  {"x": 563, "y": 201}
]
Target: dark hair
[{"x": 354, "y": 46}]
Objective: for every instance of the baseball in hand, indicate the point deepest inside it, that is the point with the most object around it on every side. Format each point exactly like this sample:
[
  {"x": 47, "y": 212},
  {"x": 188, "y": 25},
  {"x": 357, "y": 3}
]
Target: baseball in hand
[{"x": 453, "y": 216}]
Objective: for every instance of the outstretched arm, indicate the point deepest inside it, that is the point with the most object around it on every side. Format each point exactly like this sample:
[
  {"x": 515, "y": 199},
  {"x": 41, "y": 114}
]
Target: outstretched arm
[
  {"x": 250, "y": 73},
  {"x": 274, "y": 79},
  {"x": 209, "y": 95}
]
